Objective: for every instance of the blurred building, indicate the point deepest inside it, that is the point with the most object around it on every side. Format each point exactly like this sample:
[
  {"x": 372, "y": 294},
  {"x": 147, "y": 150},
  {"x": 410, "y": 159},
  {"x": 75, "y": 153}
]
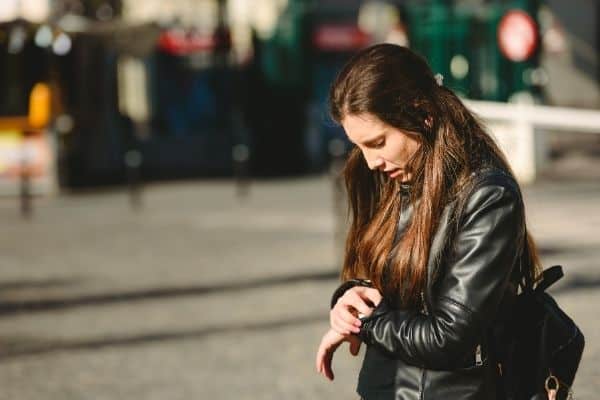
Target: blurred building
[
  {"x": 571, "y": 43},
  {"x": 206, "y": 87},
  {"x": 31, "y": 10}
]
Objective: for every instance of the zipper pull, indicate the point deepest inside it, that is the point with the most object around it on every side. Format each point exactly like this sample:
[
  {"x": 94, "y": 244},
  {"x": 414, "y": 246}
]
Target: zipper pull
[
  {"x": 423, "y": 304},
  {"x": 478, "y": 359}
]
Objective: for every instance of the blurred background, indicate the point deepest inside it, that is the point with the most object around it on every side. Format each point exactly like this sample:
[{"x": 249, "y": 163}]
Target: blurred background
[{"x": 172, "y": 213}]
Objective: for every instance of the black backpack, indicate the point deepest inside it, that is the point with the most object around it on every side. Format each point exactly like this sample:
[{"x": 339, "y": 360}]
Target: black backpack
[{"x": 542, "y": 346}]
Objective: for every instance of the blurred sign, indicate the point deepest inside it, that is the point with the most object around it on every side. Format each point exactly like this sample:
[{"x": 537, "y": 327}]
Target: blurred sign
[
  {"x": 180, "y": 42},
  {"x": 517, "y": 35},
  {"x": 524, "y": 147},
  {"x": 19, "y": 154},
  {"x": 39, "y": 106},
  {"x": 133, "y": 89},
  {"x": 339, "y": 38},
  {"x": 31, "y": 10}
]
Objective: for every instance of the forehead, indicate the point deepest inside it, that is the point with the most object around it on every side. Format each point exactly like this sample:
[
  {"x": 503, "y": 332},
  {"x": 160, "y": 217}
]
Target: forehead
[{"x": 362, "y": 127}]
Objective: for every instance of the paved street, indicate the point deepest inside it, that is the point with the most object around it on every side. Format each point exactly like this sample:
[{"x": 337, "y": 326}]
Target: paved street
[{"x": 205, "y": 296}]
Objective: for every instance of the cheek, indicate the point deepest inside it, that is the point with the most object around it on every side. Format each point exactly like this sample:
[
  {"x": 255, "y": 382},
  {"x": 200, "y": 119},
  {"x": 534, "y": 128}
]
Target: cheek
[
  {"x": 397, "y": 150},
  {"x": 400, "y": 151}
]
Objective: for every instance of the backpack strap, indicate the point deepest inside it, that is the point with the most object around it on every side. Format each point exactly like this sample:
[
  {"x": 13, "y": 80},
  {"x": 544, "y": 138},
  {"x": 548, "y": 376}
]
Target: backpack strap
[
  {"x": 526, "y": 283},
  {"x": 549, "y": 277}
]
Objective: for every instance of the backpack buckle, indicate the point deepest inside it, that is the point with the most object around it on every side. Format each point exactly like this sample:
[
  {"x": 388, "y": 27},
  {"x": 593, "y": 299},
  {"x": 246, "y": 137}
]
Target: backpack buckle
[{"x": 552, "y": 385}]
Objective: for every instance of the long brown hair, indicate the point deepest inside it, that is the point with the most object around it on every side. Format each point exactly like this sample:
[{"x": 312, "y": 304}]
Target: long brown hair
[{"x": 397, "y": 86}]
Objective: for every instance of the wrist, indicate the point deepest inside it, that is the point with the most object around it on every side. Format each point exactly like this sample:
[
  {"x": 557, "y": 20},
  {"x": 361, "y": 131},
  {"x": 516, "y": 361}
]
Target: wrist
[{"x": 347, "y": 285}]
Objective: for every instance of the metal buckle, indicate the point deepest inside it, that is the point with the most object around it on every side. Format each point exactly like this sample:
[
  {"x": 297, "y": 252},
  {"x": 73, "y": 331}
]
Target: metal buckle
[{"x": 552, "y": 391}]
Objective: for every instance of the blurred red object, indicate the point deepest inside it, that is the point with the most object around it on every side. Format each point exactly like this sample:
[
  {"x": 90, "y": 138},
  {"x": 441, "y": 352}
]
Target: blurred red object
[
  {"x": 180, "y": 42},
  {"x": 517, "y": 35},
  {"x": 345, "y": 37}
]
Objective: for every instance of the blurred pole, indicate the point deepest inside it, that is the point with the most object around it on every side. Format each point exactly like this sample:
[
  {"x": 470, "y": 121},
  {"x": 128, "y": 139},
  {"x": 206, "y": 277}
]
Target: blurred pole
[
  {"x": 134, "y": 103},
  {"x": 38, "y": 117},
  {"x": 133, "y": 163},
  {"x": 241, "y": 157},
  {"x": 25, "y": 193},
  {"x": 337, "y": 152},
  {"x": 240, "y": 150}
]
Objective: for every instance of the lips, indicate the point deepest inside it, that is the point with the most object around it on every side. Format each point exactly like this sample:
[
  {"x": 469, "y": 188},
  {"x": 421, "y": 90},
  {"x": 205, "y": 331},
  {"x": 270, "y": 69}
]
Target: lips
[{"x": 395, "y": 172}]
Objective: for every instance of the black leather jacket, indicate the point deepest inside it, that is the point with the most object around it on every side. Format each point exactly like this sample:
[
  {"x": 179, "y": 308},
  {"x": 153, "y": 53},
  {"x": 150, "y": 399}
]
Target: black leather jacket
[{"x": 444, "y": 351}]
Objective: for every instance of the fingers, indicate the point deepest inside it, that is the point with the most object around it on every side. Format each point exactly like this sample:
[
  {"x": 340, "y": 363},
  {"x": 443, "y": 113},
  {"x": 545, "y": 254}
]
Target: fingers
[
  {"x": 371, "y": 294},
  {"x": 327, "y": 370},
  {"x": 320, "y": 361},
  {"x": 327, "y": 348},
  {"x": 353, "y": 298},
  {"x": 343, "y": 321},
  {"x": 355, "y": 343},
  {"x": 343, "y": 318},
  {"x": 363, "y": 297}
]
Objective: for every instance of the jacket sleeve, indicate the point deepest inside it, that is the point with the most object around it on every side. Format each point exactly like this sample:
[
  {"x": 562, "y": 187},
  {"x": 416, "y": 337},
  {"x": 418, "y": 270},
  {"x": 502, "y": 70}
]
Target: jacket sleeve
[{"x": 470, "y": 289}]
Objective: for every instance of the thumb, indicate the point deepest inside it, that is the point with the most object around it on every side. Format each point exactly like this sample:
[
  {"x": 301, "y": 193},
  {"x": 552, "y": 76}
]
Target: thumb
[{"x": 355, "y": 345}]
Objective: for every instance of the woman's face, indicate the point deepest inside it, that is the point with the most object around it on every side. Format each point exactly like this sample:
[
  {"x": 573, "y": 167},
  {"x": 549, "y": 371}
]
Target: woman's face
[{"x": 384, "y": 147}]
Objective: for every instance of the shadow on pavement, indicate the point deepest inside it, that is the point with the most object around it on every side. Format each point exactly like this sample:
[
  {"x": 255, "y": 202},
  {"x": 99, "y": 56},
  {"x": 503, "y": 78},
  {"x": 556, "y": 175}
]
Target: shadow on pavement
[
  {"x": 41, "y": 305},
  {"x": 555, "y": 249},
  {"x": 36, "y": 284},
  {"x": 15, "y": 350}
]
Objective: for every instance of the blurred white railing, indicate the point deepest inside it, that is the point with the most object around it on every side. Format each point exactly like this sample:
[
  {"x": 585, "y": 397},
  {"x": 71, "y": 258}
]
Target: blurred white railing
[{"x": 514, "y": 128}]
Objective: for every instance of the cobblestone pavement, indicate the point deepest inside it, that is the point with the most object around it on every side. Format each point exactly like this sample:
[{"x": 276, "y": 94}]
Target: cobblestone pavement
[{"x": 205, "y": 296}]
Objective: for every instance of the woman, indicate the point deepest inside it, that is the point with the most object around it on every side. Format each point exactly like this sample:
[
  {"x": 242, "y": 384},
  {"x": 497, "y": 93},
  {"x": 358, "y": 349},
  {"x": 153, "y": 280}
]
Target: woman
[{"x": 437, "y": 244}]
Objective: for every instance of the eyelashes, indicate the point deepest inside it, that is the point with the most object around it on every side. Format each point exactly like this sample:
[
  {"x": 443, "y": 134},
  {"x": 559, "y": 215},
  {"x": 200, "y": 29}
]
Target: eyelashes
[{"x": 379, "y": 144}]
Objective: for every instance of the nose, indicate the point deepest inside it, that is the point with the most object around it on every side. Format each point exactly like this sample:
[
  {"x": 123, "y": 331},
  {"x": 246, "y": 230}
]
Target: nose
[{"x": 376, "y": 163}]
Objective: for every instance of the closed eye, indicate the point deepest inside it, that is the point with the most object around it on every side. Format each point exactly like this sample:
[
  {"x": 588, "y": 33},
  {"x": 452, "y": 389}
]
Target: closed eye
[{"x": 377, "y": 144}]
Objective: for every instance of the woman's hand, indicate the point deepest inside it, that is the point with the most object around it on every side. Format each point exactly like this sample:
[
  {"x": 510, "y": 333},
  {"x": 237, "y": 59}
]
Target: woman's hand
[
  {"x": 343, "y": 317},
  {"x": 329, "y": 344}
]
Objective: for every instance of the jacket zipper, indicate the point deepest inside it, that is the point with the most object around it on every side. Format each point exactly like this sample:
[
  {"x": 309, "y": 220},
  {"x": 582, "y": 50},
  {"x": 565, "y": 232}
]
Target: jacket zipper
[
  {"x": 478, "y": 359},
  {"x": 424, "y": 310},
  {"x": 423, "y": 370}
]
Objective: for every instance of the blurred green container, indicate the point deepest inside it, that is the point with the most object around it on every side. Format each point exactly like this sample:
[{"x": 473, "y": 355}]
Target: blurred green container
[
  {"x": 441, "y": 34},
  {"x": 462, "y": 44}
]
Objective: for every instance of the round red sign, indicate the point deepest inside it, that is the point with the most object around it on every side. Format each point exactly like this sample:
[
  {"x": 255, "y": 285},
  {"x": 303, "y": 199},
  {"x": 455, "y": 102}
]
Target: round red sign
[{"x": 517, "y": 35}]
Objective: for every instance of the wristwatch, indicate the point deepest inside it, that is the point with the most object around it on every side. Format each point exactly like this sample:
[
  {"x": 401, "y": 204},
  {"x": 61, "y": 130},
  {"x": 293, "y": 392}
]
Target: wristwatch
[{"x": 347, "y": 285}]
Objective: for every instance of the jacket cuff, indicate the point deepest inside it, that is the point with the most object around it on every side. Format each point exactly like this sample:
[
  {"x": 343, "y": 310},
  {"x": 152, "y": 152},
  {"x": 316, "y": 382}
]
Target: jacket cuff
[
  {"x": 345, "y": 286},
  {"x": 366, "y": 322}
]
